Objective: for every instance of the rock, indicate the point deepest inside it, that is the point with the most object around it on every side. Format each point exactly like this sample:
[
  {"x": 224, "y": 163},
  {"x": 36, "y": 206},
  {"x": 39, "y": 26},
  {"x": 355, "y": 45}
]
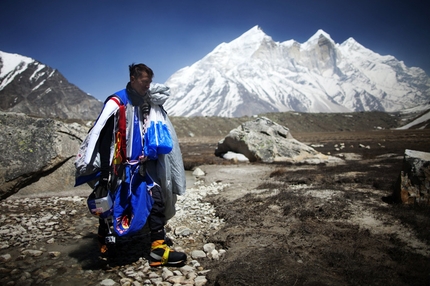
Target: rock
[
  {"x": 364, "y": 146},
  {"x": 27, "y": 224},
  {"x": 108, "y": 282},
  {"x": 198, "y": 172},
  {"x": 186, "y": 269},
  {"x": 34, "y": 147},
  {"x": 214, "y": 254},
  {"x": 32, "y": 252},
  {"x": 175, "y": 279},
  {"x": 196, "y": 254},
  {"x": 183, "y": 231},
  {"x": 235, "y": 157},
  {"x": 166, "y": 273},
  {"x": 54, "y": 253},
  {"x": 5, "y": 257},
  {"x": 126, "y": 282},
  {"x": 208, "y": 247},
  {"x": 266, "y": 141},
  {"x": 200, "y": 280},
  {"x": 413, "y": 184}
]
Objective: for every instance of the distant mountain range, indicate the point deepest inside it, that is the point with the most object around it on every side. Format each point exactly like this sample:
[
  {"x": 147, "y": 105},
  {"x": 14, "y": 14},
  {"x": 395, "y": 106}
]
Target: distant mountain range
[
  {"x": 250, "y": 75},
  {"x": 254, "y": 74},
  {"x": 33, "y": 88}
]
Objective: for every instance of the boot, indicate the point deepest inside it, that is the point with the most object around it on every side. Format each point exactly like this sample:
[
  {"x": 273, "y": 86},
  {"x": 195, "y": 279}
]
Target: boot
[{"x": 161, "y": 254}]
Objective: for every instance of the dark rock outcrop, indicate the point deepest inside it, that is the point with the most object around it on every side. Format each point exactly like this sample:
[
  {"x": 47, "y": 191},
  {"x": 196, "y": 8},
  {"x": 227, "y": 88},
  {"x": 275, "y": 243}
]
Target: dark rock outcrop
[{"x": 413, "y": 184}]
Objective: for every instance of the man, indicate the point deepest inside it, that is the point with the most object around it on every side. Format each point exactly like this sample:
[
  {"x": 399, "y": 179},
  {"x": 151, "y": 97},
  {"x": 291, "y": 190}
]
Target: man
[{"x": 137, "y": 98}]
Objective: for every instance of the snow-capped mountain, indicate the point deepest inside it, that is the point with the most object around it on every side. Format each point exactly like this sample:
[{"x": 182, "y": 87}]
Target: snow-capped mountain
[
  {"x": 33, "y": 88},
  {"x": 254, "y": 74}
]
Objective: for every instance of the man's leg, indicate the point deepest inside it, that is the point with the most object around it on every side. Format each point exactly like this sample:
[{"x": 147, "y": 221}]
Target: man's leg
[
  {"x": 161, "y": 254},
  {"x": 101, "y": 235}
]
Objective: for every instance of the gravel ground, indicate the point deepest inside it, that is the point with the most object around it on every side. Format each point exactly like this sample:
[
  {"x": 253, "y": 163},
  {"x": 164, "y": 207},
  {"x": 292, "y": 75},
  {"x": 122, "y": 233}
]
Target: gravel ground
[{"x": 244, "y": 224}]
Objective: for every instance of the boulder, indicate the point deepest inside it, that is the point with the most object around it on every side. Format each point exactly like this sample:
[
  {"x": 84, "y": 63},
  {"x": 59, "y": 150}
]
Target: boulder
[
  {"x": 413, "y": 184},
  {"x": 263, "y": 140},
  {"x": 35, "y": 148}
]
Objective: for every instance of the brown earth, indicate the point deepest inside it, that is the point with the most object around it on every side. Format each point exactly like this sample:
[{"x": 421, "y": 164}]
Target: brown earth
[
  {"x": 290, "y": 224},
  {"x": 318, "y": 225}
]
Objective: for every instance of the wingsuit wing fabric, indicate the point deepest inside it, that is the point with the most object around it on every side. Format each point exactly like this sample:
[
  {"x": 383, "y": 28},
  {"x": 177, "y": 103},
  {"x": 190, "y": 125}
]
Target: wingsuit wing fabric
[{"x": 168, "y": 171}]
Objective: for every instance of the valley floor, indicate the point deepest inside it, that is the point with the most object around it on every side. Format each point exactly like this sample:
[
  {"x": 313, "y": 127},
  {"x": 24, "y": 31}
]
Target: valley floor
[
  {"x": 282, "y": 224},
  {"x": 322, "y": 225}
]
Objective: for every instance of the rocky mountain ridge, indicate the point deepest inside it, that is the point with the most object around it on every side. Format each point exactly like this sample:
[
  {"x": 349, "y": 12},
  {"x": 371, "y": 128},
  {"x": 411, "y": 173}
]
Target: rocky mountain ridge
[
  {"x": 254, "y": 74},
  {"x": 33, "y": 88}
]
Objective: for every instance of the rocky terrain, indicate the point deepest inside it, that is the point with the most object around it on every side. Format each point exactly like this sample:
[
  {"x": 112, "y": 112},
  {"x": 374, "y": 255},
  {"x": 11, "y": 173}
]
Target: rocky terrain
[
  {"x": 324, "y": 225},
  {"x": 246, "y": 224}
]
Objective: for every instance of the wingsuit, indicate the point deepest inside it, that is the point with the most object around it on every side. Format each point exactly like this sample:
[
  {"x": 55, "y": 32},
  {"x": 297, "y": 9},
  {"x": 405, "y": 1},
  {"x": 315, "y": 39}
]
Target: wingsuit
[{"x": 155, "y": 182}]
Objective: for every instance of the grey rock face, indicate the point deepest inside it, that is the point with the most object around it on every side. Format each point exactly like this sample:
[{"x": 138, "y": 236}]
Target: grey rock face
[
  {"x": 263, "y": 140},
  {"x": 413, "y": 184},
  {"x": 33, "y": 148}
]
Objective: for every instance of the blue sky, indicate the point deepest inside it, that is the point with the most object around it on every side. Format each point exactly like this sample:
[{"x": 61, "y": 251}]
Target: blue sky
[{"x": 92, "y": 42}]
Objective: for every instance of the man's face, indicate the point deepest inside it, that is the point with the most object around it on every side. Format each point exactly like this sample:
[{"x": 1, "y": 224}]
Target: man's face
[{"x": 141, "y": 84}]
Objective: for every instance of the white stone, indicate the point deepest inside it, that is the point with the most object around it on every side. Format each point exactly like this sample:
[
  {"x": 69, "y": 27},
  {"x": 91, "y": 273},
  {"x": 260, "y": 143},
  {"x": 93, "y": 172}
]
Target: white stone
[
  {"x": 198, "y": 172},
  {"x": 32, "y": 252},
  {"x": 236, "y": 157},
  {"x": 186, "y": 269},
  {"x": 108, "y": 282},
  {"x": 198, "y": 254},
  {"x": 215, "y": 254},
  {"x": 176, "y": 279},
  {"x": 177, "y": 273},
  {"x": 183, "y": 231},
  {"x": 200, "y": 280},
  {"x": 166, "y": 273},
  {"x": 126, "y": 281},
  {"x": 208, "y": 247}
]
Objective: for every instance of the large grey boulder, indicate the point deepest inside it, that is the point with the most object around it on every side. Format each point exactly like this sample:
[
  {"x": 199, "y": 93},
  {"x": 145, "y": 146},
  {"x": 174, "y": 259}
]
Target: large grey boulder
[
  {"x": 36, "y": 148},
  {"x": 263, "y": 140}
]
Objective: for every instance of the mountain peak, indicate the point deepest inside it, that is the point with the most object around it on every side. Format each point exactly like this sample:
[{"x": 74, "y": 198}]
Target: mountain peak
[
  {"x": 255, "y": 34},
  {"x": 253, "y": 75},
  {"x": 9, "y": 62},
  {"x": 352, "y": 46},
  {"x": 34, "y": 88},
  {"x": 351, "y": 42},
  {"x": 318, "y": 34},
  {"x": 255, "y": 29}
]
